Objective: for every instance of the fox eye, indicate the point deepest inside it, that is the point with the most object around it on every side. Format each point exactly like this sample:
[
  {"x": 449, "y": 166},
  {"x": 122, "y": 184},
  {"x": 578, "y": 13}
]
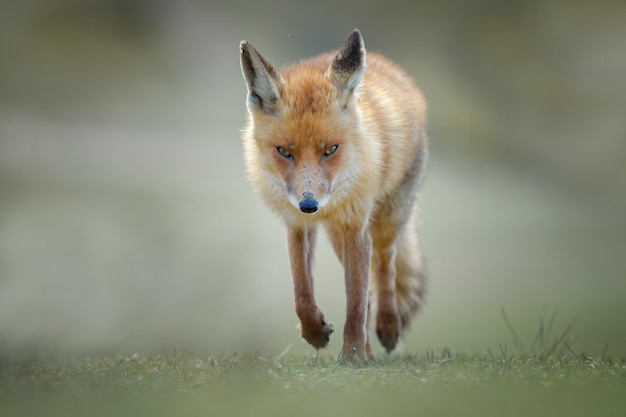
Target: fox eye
[
  {"x": 331, "y": 150},
  {"x": 284, "y": 152}
]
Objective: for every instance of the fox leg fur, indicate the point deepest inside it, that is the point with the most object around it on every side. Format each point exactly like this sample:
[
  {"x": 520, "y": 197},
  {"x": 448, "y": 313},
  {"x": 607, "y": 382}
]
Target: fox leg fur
[
  {"x": 313, "y": 325},
  {"x": 354, "y": 249}
]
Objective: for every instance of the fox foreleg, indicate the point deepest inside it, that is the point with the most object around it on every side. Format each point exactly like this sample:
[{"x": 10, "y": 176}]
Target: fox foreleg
[
  {"x": 313, "y": 325},
  {"x": 356, "y": 260}
]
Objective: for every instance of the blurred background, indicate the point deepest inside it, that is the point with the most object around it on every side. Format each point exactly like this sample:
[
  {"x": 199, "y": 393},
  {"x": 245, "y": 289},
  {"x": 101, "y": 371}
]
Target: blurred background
[{"x": 127, "y": 222}]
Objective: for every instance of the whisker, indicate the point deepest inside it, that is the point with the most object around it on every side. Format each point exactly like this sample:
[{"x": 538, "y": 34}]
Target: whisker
[
  {"x": 279, "y": 184},
  {"x": 340, "y": 183},
  {"x": 340, "y": 186}
]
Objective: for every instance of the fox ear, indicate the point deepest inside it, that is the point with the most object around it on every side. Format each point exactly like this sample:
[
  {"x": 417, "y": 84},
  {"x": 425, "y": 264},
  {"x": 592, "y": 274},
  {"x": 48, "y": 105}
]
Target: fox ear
[
  {"x": 261, "y": 77},
  {"x": 348, "y": 66}
]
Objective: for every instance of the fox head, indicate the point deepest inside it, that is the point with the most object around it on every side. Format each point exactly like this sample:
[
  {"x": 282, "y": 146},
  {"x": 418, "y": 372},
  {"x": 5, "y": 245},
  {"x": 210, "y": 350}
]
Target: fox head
[{"x": 303, "y": 122}]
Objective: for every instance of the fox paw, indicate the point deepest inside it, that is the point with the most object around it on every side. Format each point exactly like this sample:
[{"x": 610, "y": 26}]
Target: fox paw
[
  {"x": 388, "y": 325},
  {"x": 354, "y": 353},
  {"x": 316, "y": 331}
]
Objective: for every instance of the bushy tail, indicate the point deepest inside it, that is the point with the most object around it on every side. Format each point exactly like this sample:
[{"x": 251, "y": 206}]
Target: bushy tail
[{"x": 411, "y": 278}]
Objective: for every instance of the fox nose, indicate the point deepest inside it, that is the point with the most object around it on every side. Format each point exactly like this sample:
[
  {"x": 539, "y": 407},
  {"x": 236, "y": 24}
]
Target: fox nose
[{"x": 308, "y": 204}]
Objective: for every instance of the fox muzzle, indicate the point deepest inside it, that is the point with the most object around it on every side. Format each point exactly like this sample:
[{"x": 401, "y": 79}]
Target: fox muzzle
[{"x": 308, "y": 204}]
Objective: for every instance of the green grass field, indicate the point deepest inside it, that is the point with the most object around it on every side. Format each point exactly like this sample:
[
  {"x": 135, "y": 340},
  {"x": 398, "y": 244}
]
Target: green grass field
[{"x": 429, "y": 384}]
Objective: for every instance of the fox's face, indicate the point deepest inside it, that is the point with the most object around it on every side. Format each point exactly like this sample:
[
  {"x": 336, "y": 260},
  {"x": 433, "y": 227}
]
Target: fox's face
[
  {"x": 300, "y": 123},
  {"x": 307, "y": 174}
]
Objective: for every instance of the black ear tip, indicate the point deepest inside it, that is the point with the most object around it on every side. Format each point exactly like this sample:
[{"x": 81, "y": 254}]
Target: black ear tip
[
  {"x": 352, "y": 55},
  {"x": 355, "y": 38}
]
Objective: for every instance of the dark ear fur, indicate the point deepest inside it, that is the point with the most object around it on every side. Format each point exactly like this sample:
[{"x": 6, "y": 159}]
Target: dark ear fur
[
  {"x": 348, "y": 66},
  {"x": 263, "y": 81}
]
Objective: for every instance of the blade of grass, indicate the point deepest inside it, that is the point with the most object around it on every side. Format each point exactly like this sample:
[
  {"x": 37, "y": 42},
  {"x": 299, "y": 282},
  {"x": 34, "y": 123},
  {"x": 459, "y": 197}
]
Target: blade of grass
[{"x": 516, "y": 340}]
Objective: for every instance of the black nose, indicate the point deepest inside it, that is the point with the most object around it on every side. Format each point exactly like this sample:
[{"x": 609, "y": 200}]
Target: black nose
[{"x": 308, "y": 204}]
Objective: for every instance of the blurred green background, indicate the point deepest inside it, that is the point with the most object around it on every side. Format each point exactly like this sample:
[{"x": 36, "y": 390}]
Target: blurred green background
[{"x": 127, "y": 223}]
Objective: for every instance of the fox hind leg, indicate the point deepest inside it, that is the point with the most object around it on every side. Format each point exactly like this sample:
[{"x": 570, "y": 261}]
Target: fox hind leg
[
  {"x": 388, "y": 321},
  {"x": 399, "y": 283}
]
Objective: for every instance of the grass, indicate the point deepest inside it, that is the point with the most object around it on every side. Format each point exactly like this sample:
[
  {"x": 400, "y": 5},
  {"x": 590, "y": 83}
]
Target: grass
[{"x": 444, "y": 383}]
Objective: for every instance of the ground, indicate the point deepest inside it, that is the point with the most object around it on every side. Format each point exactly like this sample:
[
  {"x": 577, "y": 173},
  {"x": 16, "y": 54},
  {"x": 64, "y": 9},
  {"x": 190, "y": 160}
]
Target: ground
[{"x": 432, "y": 383}]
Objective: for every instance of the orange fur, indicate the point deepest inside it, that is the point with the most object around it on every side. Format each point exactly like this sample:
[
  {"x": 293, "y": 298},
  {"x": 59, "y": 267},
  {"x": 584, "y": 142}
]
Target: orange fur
[{"x": 340, "y": 140}]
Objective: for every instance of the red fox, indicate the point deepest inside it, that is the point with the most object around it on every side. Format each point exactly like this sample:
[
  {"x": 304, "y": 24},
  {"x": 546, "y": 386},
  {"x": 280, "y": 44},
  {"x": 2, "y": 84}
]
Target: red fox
[{"x": 336, "y": 141}]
